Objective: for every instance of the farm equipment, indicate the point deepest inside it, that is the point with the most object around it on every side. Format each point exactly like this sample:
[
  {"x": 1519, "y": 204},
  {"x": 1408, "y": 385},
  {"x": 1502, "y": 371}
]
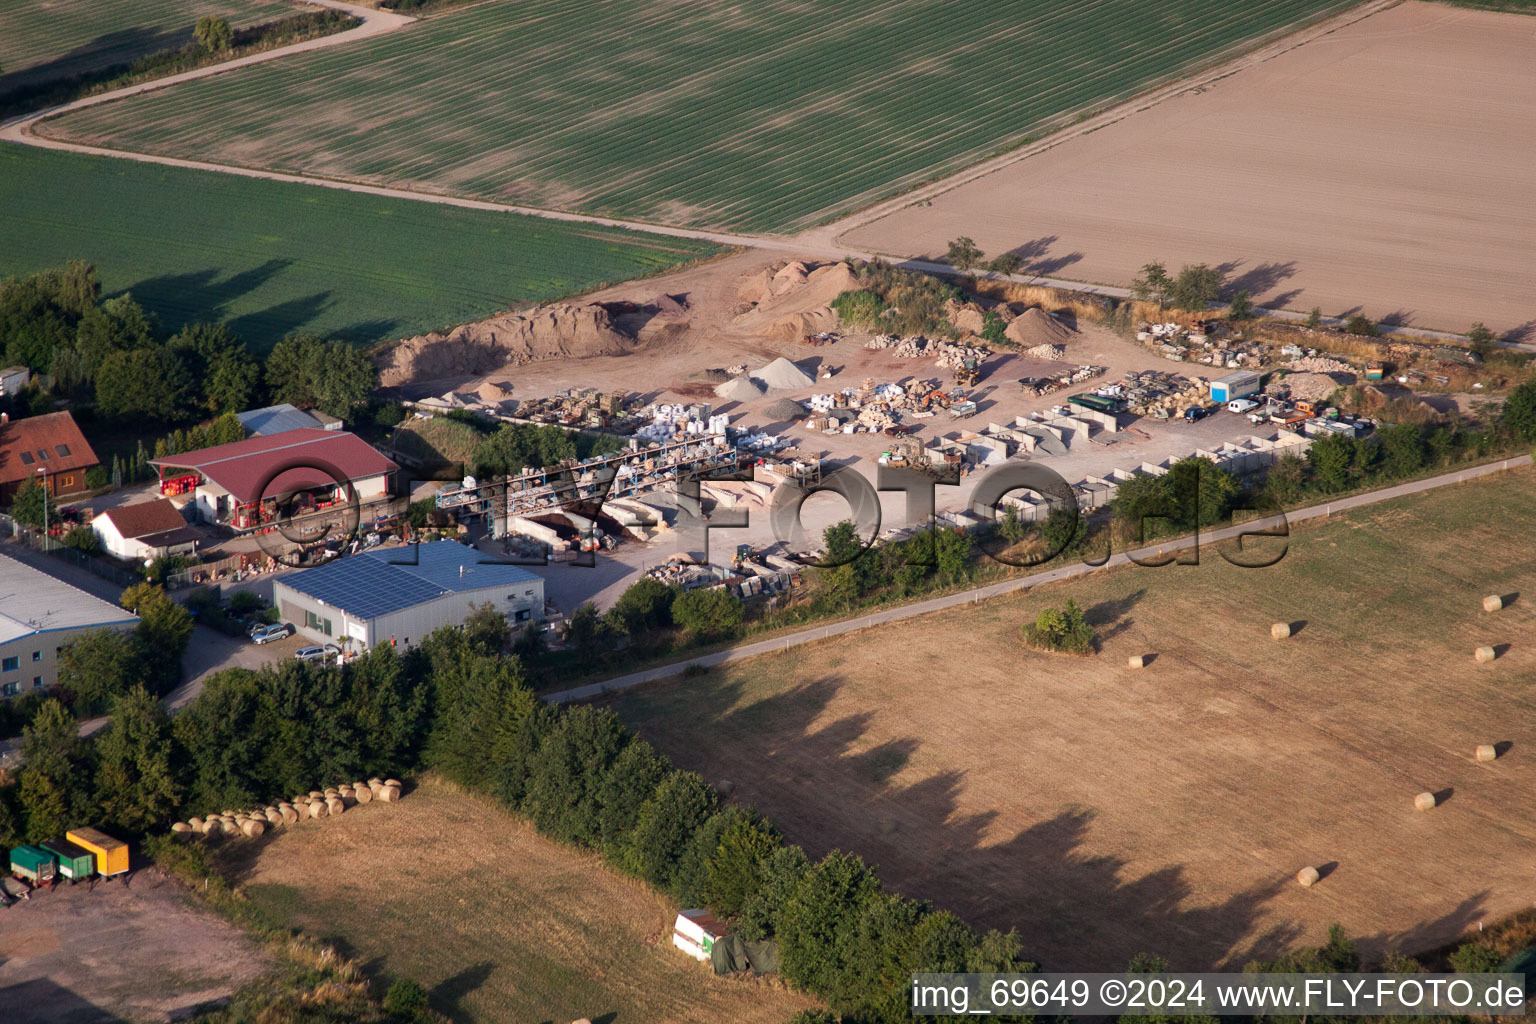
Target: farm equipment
[
  {"x": 969, "y": 372},
  {"x": 76, "y": 863},
  {"x": 35, "y": 865}
]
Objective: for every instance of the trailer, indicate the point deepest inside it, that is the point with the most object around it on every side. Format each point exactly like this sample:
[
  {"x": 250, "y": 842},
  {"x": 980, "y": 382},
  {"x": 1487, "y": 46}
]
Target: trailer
[
  {"x": 35, "y": 865},
  {"x": 111, "y": 854},
  {"x": 75, "y": 862}
]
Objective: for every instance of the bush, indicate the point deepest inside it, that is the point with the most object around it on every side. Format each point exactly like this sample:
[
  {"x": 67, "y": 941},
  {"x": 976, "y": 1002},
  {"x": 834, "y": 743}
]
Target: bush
[
  {"x": 1364, "y": 326},
  {"x": 861, "y": 308},
  {"x": 1061, "y": 630},
  {"x": 707, "y": 612},
  {"x": 1474, "y": 958},
  {"x": 405, "y": 999},
  {"x": 83, "y": 538}
]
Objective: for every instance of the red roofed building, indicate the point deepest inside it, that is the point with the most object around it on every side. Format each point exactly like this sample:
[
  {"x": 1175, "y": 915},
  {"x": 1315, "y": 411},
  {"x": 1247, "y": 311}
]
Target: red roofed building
[
  {"x": 150, "y": 529},
  {"x": 47, "y": 448},
  {"x": 239, "y": 484}
]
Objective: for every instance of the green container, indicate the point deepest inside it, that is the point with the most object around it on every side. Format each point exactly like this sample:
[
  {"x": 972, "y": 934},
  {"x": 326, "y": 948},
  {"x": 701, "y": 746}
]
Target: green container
[
  {"x": 34, "y": 863},
  {"x": 76, "y": 863}
]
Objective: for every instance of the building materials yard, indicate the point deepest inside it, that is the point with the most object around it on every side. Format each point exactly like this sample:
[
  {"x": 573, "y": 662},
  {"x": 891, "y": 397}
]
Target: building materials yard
[
  {"x": 1105, "y": 810},
  {"x": 1380, "y": 167},
  {"x": 510, "y": 928}
]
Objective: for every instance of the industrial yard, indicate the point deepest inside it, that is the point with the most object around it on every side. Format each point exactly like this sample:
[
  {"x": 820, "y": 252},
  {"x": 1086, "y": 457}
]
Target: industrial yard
[{"x": 1106, "y": 811}]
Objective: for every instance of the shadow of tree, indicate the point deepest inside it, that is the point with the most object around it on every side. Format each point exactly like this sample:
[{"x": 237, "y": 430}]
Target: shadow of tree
[{"x": 447, "y": 995}]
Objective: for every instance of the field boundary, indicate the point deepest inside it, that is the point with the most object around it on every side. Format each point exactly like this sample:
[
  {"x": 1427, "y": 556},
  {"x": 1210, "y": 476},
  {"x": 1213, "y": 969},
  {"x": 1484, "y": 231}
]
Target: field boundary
[{"x": 992, "y": 590}]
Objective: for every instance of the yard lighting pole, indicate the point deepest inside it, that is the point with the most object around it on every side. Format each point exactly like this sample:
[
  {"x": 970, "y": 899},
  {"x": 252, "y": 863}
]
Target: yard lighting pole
[{"x": 44, "y": 471}]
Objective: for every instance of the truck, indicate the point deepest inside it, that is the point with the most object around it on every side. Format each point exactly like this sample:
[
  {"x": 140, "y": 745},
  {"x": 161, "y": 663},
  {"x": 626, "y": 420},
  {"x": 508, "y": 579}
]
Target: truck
[
  {"x": 75, "y": 862},
  {"x": 34, "y": 864}
]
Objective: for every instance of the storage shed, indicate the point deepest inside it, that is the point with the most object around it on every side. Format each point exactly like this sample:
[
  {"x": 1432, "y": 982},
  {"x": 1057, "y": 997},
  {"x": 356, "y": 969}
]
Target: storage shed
[
  {"x": 111, "y": 854},
  {"x": 1234, "y": 385},
  {"x": 696, "y": 931},
  {"x": 76, "y": 863}
]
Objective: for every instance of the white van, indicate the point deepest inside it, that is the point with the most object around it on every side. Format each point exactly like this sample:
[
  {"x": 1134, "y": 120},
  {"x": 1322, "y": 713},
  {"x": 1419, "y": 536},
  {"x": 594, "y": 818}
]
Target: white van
[{"x": 1241, "y": 405}]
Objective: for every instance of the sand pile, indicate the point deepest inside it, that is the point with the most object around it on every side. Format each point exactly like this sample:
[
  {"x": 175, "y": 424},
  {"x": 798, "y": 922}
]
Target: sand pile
[
  {"x": 560, "y": 331},
  {"x": 794, "y": 300},
  {"x": 1311, "y": 387},
  {"x": 712, "y": 376},
  {"x": 1036, "y": 327},
  {"x": 784, "y": 409},
  {"x": 740, "y": 389},
  {"x": 781, "y": 374},
  {"x": 965, "y": 317}
]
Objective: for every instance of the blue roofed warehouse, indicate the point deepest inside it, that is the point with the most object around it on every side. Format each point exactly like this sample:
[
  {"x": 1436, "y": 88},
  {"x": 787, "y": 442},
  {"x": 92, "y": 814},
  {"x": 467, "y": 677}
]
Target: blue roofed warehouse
[{"x": 402, "y": 594}]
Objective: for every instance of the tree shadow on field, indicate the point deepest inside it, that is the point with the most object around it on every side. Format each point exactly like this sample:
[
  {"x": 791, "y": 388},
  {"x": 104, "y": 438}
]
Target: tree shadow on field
[
  {"x": 1430, "y": 934},
  {"x": 447, "y": 995},
  {"x": 1111, "y": 618},
  {"x": 1035, "y": 258},
  {"x": 828, "y": 787},
  {"x": 111, "y": 49},
  {"x": 1256, "y": 280}
]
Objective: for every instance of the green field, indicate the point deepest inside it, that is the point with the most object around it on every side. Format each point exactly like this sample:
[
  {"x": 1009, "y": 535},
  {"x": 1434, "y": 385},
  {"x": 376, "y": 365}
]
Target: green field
[
  {"x": 42, "y": 40},
  {"x": 270, "y": 258},
  {"x": 764, "y": 116}
]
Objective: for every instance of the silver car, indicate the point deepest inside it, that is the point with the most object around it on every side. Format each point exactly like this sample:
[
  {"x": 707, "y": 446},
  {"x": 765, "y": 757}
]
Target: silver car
[{"x": 266, "y": 634}]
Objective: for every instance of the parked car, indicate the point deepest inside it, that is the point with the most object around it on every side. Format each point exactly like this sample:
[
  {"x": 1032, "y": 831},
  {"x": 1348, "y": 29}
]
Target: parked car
[
  {"x": 310, "y": 653},
  {"x": 1241, "y": 405},
  {"x": 266, "y": 634},
  {"x": 1196, "y": 413}
]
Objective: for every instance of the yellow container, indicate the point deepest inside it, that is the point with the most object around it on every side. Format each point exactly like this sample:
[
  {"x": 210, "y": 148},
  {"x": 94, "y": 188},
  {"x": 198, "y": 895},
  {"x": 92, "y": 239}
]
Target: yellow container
[{"x": 111, "y": 854}]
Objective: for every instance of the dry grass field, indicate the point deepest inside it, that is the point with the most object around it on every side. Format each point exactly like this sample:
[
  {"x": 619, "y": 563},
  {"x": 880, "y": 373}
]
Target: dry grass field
[
  {"x": 1383, "y": 166},
  {"x": 1104, "y": 811},
  {"x": 497, "y": 923}
]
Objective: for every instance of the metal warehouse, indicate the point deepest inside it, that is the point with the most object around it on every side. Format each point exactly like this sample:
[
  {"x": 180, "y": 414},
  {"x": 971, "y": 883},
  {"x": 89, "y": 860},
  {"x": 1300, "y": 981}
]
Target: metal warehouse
[
  {"x": 399, "y": 595},
  {"x": 40, "y": 615}
]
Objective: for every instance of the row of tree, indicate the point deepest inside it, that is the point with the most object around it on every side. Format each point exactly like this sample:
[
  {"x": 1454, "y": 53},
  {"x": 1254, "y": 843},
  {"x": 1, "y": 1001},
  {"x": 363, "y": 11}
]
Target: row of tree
[{"x": 112, "y": 352}]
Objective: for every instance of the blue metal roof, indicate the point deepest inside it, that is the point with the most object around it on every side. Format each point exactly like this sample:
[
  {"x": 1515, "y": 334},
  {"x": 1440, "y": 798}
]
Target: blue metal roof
[{"x": 374, "y": 583}]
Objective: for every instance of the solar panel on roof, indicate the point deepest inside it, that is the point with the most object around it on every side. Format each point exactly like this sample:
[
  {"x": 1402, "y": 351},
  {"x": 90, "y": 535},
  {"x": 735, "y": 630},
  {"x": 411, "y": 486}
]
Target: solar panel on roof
[{"x": 374, "y": 583}]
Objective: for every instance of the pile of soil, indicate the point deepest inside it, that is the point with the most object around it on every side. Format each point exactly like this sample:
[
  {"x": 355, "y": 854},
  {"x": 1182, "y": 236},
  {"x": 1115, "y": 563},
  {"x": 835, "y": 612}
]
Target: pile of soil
[
  {"x": 740, "y": 389},
  {"x": 1037, "y": 327},
  {"x": 713, "y": 376},
  {"x": 1314, "y": 387},
  {"x": 784, "y": 409},
  {"x": 794, "y": 299},
  {"x": 781, "y": 374},
  {"x": 560, "y": 331}
]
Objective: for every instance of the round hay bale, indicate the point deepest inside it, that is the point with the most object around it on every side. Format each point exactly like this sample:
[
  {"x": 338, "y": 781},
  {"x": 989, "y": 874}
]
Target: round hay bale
[
  {"x": 1493, "y": 603},
  {"x": 334, "y": 806},
  {"x": 389, "y": 794},
  {"x": 375, "y": 782},
  {"x": 289, "y": 813},
  {"x": 226, "y": 814},
  {"x": 1485, "y": 654},
  {"x": 316, "y": 794},
  {"x": 361, "y": 793},
  {"x": 1424, "y": 802},
  {"x": 300, "y": 799},
  {"x": 1307, "y": 877},
  {"x": 317, "y": 809},
  {"x": 392, "y": 782},
  {"x": 1487, "y": 752},
  {"x": 252, "y": 828},
  {"x": 229, "y": 827},
  {"x": 1280, "y": 630},
  {"x": 180, "y": 827},
  {"x": 345, "y": 791},
  {"x": 273, "y": 817},
  {"x": 196, "y": 823},
  {"x": 210, "y": 826},
  {"x": 1137, "y": 661}
]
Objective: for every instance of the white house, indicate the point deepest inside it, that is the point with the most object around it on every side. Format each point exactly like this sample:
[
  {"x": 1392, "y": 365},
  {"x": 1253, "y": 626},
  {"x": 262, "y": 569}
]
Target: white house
[{"x": 146, "y": 531}]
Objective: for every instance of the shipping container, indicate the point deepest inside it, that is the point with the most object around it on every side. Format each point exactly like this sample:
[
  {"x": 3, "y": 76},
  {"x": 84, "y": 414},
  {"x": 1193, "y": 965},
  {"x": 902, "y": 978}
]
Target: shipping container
[
  {"x": 35, "y": 864},
  {"x": 111, "y": 854},
  {"x": 75, "y": 863}
]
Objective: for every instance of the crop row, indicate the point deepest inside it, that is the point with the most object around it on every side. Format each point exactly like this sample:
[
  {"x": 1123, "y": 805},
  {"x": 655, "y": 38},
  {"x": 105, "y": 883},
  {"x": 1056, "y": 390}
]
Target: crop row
[{"x": 763, "y": 121}]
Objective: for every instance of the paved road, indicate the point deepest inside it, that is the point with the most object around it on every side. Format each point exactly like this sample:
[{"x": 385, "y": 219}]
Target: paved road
[{"x": 908, "y": 611}]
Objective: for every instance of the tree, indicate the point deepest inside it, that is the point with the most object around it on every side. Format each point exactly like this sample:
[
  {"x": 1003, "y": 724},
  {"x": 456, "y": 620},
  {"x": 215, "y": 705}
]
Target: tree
[
  {"x": 148, "y": 382},
  {"x": 816, "y": 926},
  {"x": 962, "y": 254},
  {"x": 53, "y": 778},
  {"x": 1402, "y": 448},
  {"x": 735, "y": 865},
  {"x": 665, "y": 827},
  {"x": 645, "y": 605},
  {"x": 1241, "y": 306},
  {"x": 308, "y": 371},
  {"x": 135, "y": 779},
  {"x": 102, "y": 666},
  {"x": 1285, "y": 479},
  {"x": 787, "y": 867},
  {"x": 226, "y": 373},
  {"x": 83, "y": 538},
  {"x": 485, "y": 629},
  {"x": 1007, "y": 263},
  {"x": 1063, "y": 630},
  {"x": 1359, "y": 323},
  {"x": 164, "y": 624},
  {"x": 707, "y": 612},
  {"x": 1196, "y": 287},
  {"x": 628, "y": 784},
  {"x": 1152, "y": 285},
  {"x": 1519, "y": 413},
  {"x": 952, "y": 554},
  {"x": 213, "y": 33},
  {"x": 1330, "y": 459},
  {"x": 1481, "y": 340},
  {"x": 1314, "y": 318},
  {"x": 31, "y": 505},
  {"x": 563, "y": 796}
]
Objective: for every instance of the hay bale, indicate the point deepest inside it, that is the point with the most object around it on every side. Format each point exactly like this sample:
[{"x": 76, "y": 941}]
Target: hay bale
[
  {"x": 289, "y": 813},
  {"x": 392, "y": 782},
  {"x": 1424, "y": 802},
  {"x": 389, "y": 794},
  {"x": 334, "y": 806},
  {"x": 180, "y": 827},
  {"x": 1487, "y": 752},
  {"x": 361, "y": 793},
  {"x": 1493, "y": 603},
  {"x": 252, "y": 828},
  {"x": 1485, "y": 654},
  {"x": 196, "y": 823},
  {"x": 316, "y": 794},
  {"x": 273, "y": 817},
  {"x": 1137, "y": 661},
  {"x": 1280, "y": 630},
  {"x": 210, "y": 826},
  {"x": 375, "y": 782},
  {"x": 345, "y": 789},
  {"x": 1307, "y": 877},
  {"x": 316, "y": 809},
  {"x": 229, "y": 827}
]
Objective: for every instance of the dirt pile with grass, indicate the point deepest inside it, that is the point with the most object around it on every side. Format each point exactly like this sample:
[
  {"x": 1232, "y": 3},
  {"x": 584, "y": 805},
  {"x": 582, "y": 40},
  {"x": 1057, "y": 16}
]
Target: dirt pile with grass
[
  {"x": 793, "y": 299},
  {"x": 559, "y": 331}
]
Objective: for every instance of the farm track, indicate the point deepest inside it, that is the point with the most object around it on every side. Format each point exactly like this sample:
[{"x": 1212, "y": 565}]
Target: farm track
[{"x": 817, "y": 242}]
